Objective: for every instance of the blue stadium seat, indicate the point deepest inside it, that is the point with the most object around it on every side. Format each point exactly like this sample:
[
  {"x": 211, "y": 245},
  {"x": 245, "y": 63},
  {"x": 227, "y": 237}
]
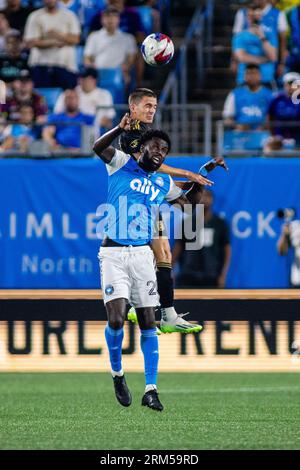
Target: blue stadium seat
[
  {"x": 50, "y": 95},
  {"x": 79, "y": 56},
  {"x": 244, "y": 140},
  {"x": 113, "y": 81},
  {"x": 146, "y": 19}
]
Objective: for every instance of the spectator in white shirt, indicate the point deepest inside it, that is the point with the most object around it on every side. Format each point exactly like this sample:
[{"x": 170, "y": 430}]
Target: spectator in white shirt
[
  {"x": 51, "y": 34},
  {"x": 90, "y": 98},
  {"x": 110, "y": 47}
]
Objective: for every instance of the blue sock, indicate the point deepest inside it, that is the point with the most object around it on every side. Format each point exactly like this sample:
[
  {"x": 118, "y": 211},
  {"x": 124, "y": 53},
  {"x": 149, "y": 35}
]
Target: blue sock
[
  {"x": 149, "y": 346},
  {"x": 114, "y": 339}
]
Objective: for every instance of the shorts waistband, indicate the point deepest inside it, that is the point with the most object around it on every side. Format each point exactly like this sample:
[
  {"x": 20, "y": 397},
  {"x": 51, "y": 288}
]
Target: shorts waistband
[
  {"x": 124, "y": 249},
  {"x": 109, "y": 243}
]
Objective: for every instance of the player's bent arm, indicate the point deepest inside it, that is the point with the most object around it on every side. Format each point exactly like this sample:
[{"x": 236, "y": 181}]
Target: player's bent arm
[{"x": 103, "y": 148}]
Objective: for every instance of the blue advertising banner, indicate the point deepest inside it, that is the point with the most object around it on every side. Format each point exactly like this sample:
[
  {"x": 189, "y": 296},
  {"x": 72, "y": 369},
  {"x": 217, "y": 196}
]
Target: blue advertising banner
[{"x": 48, "y": 219}]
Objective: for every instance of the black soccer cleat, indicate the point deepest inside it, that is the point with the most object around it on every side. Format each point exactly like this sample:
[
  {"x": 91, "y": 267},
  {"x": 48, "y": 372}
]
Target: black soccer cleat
[
  {"x": 151, "y": 400},
  {"x": 122, "y": 392}
]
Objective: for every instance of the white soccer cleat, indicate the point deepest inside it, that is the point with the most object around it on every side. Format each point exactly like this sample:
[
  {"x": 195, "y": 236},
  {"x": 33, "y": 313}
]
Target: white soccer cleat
[{"x": 179, "y": 325}]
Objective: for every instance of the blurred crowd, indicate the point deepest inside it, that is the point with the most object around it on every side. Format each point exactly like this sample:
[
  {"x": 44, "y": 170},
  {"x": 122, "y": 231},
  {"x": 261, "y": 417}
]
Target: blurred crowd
[
  {"x": 61, "y": 60},
  {"x": 266, "y": 62}
]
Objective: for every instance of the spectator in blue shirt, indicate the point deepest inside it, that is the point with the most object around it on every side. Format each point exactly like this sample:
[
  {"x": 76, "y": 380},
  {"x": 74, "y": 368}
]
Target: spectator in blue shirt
[
  {"x": 272, "y": 21},
  {"x": 255, "y": 46},
  {"x": 284, "y": 115},
  {"x": 246, "y": 107},
  {"x": 60, "y": 132}
]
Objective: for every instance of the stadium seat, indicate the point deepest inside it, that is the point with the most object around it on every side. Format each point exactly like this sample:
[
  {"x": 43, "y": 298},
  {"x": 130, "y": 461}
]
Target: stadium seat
[
  {"x": 113, "y": 81},
  {"x": 50, "y": 95},
  {"x": 146, "y": 19},
  {"x": 79, "y": 56},
  {"x": 244, "y": 140}
]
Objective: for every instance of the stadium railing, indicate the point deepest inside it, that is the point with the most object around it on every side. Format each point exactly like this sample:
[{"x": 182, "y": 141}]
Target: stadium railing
[
  {"x": 251, "y": 143},
  {"x": 38, "y": 148},
  {"x": 198, "y": 34},
  {"x": 189, "y": 127}
]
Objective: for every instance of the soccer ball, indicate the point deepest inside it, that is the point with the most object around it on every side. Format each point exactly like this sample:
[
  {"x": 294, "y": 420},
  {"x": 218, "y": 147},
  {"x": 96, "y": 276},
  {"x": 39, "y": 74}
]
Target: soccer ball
[{"x": 157, "y": 49}]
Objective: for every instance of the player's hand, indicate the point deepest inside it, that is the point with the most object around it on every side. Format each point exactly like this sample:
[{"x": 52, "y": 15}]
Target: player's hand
[
  {"x": 196, "y": 178},
  {"x": 221, "y": 162},
  {"x": 125, "y": 122}
]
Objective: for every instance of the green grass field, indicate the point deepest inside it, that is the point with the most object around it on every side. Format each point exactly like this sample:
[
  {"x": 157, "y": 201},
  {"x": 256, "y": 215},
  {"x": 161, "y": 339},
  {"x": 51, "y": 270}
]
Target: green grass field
[{"x": 202, "y": 411}]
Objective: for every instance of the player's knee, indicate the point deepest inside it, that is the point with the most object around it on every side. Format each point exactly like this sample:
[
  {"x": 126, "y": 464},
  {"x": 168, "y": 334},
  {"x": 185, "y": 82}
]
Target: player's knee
[
  {"x": 116, "y": 323},
  {"x": 146, "y": 318}
]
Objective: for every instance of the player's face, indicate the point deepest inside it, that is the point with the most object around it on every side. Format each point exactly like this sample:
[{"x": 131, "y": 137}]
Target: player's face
[
  {"x": 154, "y": 154},
  {"x": 144, "y": 110}
]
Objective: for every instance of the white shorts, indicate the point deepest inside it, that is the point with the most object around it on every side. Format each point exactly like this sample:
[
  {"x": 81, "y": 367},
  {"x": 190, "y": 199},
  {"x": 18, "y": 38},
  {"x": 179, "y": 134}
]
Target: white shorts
[{"x": 129, "y": 272}]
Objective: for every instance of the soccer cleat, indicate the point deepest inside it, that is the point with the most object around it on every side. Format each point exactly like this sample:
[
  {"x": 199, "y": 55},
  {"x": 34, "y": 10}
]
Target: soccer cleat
[
  {"x": 179, "y": 325},
  {"x": 151, "y": 400},
  {"x": 132, "y": 316},
  {"x": 122, "y": 392}
]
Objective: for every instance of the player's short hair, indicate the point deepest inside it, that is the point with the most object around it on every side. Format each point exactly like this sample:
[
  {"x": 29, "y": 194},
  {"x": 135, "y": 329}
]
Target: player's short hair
[
  {"x": 148, "y": 135},
  {"x": 138, "y": 94},
  {"x": 252, "y": 67}
]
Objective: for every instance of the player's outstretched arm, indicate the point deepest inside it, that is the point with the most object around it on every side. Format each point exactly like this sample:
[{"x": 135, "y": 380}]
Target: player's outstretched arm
[
  {"x": 103, "y": 148},
  {"x": 180, "y": 173}
]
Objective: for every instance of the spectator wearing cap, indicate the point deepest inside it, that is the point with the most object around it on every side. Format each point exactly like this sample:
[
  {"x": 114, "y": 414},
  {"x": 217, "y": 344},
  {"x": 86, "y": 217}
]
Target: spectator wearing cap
[
  {"x": 19, "y": 136},
  {"x": 63, "y": 130},
  {"x": 13, "y": 60},
  {"x": 16, "y": 14},
  {"x": 91, "y": 97},
  {"x": 110, "y": 47},
  {"x": 23, "y": 93},
  {"x": 284, "y": 114},
  {"x": 246, "y": 107},
  {"x": 51, "y": 34},
  {"x": 256, "y": 46}
]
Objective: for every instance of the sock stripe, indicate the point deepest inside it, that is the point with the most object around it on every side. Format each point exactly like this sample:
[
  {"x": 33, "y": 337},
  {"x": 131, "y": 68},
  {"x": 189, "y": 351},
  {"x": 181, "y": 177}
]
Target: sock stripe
[
  {"x": 164, "y": 265},
  {"x": 149, "y": 333},
  {"x": 113, "y": 332}
]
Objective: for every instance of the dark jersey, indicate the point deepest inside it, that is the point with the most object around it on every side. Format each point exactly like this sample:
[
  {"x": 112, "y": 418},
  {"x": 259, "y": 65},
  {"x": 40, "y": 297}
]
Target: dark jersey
[{"x": 130, "y": 141}]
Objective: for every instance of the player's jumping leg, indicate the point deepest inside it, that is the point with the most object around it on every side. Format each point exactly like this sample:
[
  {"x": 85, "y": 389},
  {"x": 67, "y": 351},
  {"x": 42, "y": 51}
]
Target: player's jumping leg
[
  {"x": 171, "y": 322},
  {"x": 149, "y": 346},
  {"x": 114, "y": 333}
]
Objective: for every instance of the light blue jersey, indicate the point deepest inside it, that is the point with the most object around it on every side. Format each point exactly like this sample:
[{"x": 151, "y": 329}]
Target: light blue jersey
[
  {"x": 251, "y": 107},
  {"x": 134, "y": 197},
  {"x": 269, "y": 22},
  {"x": 252, "y": 44}
]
